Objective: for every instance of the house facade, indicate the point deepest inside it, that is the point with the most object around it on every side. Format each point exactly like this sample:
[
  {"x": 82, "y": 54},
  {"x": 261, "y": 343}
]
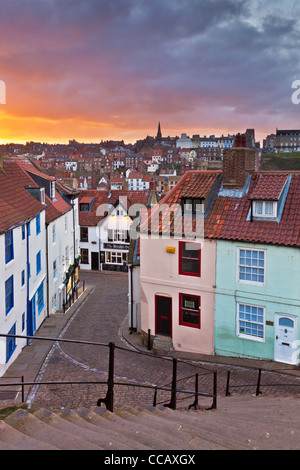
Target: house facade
[
  {"x": 257, "y": 317},
  {"x": 23, "y": 305},
  {"x": 105, "y": 220},
  {"x": 61, "y": 228},
  {"x": 177, "y": 267},
  {"x": 239, "y": 294},
  {"x": 257, "y": 272}
]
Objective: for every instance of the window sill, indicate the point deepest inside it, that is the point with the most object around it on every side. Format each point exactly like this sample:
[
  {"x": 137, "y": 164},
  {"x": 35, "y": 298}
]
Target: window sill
[{"x": 251, "y": 338}]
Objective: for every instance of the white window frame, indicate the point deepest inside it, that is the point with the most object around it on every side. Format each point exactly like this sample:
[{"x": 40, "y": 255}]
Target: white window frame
[
  {"x": 245, "y": 281},
  {"x": 53, "y": 234},
  {"x": 112, "y": 257},
  {"x": 54, "y": 265},
  {"x": 249, "y": 336},
  {"x": 264, "y": 214},
  {"x": 119, "y": 235}
]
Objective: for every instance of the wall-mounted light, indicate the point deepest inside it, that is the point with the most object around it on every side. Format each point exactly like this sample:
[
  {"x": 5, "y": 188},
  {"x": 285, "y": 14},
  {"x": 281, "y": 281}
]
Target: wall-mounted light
[{"x": 170, "y": 249}]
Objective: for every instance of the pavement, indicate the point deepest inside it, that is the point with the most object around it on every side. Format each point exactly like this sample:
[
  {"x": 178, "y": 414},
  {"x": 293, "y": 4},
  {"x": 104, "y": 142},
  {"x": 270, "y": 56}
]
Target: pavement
[{"x": 30, "y": 361}]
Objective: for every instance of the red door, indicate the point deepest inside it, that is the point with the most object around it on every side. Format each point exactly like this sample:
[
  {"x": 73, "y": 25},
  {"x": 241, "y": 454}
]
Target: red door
[{"x": 163, "y": 315}]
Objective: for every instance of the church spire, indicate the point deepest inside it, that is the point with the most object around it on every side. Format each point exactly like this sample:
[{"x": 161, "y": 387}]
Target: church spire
[{"x": 159, "y": 132}]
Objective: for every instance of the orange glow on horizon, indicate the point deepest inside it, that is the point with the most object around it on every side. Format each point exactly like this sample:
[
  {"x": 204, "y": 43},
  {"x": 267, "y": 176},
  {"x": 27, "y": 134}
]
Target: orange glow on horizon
[{"x": 20, "y": 129}]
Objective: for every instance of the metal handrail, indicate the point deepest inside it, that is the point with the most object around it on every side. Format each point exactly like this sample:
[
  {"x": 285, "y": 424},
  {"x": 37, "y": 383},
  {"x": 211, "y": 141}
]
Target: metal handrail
[
  {"x": 108, "y": 399},
  {"x": 258, "y": 384}
]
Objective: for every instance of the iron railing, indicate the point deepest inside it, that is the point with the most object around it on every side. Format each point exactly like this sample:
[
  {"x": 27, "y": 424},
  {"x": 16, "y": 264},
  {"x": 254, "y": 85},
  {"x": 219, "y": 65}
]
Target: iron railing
[
  {"x": 257, "y": 385},
  {"x": 108, "y": 400}
]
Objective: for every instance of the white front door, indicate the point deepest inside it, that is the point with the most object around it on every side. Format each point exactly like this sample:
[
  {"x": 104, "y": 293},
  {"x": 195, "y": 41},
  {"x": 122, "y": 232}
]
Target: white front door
[{"x": 285, "y": 339}]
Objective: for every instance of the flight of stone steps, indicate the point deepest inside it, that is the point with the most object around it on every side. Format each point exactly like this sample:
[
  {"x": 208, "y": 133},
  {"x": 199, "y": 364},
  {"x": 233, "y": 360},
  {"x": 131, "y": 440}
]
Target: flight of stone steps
[{"x": 239, "y": 423}]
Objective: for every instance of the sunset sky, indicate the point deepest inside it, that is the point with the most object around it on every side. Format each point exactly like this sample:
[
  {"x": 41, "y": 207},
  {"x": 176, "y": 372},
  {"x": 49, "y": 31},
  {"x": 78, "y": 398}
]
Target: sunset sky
[{"x": 94, "y": 70}]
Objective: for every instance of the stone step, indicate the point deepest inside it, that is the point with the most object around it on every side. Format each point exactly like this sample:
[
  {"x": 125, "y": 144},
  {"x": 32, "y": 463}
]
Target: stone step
[
  {"x": 162, "y": 344},
  {"x": 108, "y": 439},
  {"x": 261, "y": 428},
  {"x": 32, "y": 426},
  {"x": 170, "y": 431},
  {"x": 236, "y": 424},
  {"x": 129, "y": 421},
  {"x": 224, "y": 437},
  {"x": 138, "y": 432},
  {"x": 9, "y": 436}
]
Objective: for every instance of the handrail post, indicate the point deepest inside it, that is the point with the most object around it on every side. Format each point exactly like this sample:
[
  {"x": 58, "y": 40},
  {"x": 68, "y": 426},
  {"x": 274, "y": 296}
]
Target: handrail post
[
  {"x": 109, "y": 399},
  {"x": 215, "y": 391},
  {"x": 195, "y": 404},
  {"x": 227, "y": 384},
  {"x": 172, "y": 403},
  {"x": 155, "y": 397},
  {"x": 23, "y": 391},
  {"x": 258, "y": 383},
  {"x": 149, "y": 341}
]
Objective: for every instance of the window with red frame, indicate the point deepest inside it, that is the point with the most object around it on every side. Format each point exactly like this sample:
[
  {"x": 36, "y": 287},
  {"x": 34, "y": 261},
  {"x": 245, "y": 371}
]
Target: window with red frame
[
  {"x": 189, "y": 310},
  {"x": 190, "y": 259}
]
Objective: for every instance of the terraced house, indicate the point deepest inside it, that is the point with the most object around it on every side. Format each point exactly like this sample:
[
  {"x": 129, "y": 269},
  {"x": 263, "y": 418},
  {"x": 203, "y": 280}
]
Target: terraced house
[
  {"x": 22, "y": 266},
  {"x": 105, "y": 219},
  {"x": 236, "y": 291},
  {"x": 62, "y": 229},
  {"x": 38, "y": 244}
]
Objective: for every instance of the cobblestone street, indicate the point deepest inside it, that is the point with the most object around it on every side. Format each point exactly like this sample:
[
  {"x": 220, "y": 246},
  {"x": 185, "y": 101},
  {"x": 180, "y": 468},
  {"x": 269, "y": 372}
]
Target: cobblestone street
[{"x": 100, "y": 319}]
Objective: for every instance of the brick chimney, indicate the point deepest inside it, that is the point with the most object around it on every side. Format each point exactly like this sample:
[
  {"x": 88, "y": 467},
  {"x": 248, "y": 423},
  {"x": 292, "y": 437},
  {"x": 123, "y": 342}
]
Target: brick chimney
[
  {"x": 238, "y": 162},
  {"x": 152, "y": 185}
]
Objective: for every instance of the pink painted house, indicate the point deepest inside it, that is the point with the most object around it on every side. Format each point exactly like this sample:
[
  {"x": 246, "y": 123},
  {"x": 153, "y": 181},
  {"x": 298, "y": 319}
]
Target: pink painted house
[{"x": 177, "y": 267}]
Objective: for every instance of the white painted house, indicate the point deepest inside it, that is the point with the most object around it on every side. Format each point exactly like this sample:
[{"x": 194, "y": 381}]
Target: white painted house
[
  {"x": 105, "y": 219},
  {"x": 23, "y": 305},
  {"x": 62, "y": 230}
]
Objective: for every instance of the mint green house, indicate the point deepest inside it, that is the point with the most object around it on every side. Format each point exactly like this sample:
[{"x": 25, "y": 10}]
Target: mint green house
[
  {"x": 255, "y": 218},
  {"x": 257, "y": 301}
]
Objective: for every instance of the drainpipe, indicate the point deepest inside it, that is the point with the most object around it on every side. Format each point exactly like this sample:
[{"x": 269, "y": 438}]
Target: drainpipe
[
  {"x": 27, "y": 251},
  {"x": 74, "y": 237},
  {"x": 131, "y": 298},
  {"x": 47, "y": 271}
]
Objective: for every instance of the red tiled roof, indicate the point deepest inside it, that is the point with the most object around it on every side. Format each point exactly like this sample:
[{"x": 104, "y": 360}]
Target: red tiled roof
[
  {"x": 193, "y": 184},
  {"x": 18, "y": 170},
  {"x": 16, "y": 204},
  {"x": 115, "y": 179},
  {"x": 228, "y": 217},
  {"x": 108, "y": 197},
  {"x": 28, "y": 166},
  {"x": 86, "y": 199},
  {"x": 268, "y": 187}
]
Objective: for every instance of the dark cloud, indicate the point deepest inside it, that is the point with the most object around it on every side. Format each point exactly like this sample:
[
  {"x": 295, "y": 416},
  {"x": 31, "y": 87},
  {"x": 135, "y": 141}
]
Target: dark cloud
[{"x": 188, "y": 62}]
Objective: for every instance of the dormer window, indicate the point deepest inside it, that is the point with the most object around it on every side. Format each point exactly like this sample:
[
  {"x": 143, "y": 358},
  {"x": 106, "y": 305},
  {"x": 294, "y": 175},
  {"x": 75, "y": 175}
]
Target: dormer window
[
  {"x": 42, "y": 195},
  {"x": 192, "y": 206},
  {"x": 52, "y": 191},
  {"x": 85, "y": 204},
  {"x": 265, "y": 209}
]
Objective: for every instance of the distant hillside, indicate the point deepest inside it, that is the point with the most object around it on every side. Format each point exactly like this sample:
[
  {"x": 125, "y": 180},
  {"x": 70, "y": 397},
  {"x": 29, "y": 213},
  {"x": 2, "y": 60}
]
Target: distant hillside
[{"x": 281, "y": 161}]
